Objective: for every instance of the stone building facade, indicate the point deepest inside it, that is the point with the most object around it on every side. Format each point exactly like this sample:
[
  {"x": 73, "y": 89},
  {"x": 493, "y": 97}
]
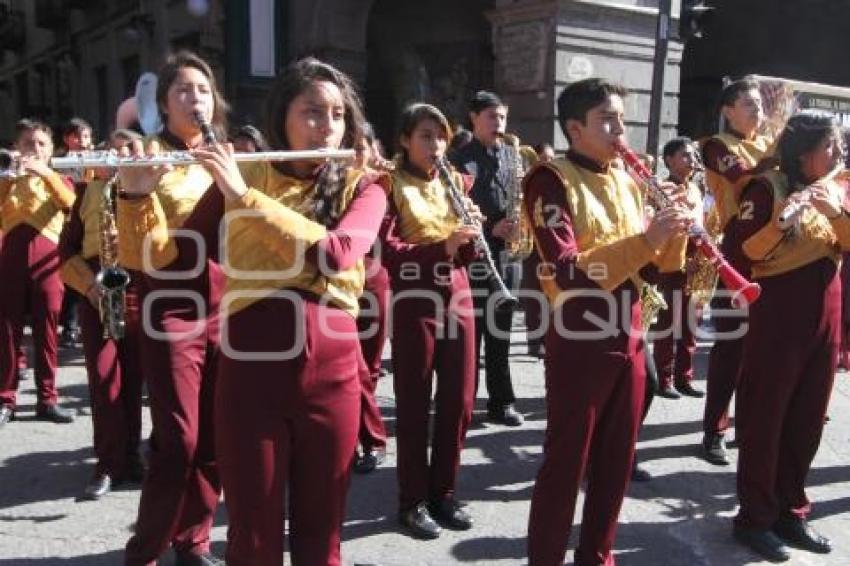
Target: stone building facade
[{"x": 82, "y": 57}]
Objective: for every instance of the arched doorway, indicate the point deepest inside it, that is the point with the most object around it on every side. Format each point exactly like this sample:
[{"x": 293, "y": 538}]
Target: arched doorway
[{"x": 438, "y": 52}]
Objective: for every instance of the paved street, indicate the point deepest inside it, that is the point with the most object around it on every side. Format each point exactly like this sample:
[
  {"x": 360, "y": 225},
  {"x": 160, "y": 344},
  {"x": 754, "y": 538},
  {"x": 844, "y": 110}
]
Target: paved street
[{"x": 682, "y": 517}]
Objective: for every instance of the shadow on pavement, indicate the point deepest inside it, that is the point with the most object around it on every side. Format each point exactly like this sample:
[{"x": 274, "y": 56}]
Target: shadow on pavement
[{"x": 43, "y": 476}]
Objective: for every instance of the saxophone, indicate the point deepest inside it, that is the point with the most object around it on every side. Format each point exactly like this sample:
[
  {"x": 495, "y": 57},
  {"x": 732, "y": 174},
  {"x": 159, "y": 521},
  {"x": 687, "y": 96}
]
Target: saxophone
[
  {"x": 521, "y": 244},
  {"x": 651, "y": 304},
  {"x": 701, "y": 273},
  {"x": 111, "y": 280}
]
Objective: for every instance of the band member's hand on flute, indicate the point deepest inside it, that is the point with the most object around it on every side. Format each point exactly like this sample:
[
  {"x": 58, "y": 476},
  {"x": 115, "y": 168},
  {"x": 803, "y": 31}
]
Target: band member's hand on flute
[
  {"x": 218, "y": 160},
  {"x": 32, "y": 165},
  {"x": 140, "y": 181},
  {"x": 666, "y": 224},
  {"x": 825, "y": 201}
]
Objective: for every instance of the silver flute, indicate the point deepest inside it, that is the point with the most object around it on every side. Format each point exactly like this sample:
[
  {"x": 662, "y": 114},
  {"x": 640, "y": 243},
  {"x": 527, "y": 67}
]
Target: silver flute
[
  {"x": 108, "y": 158},
  {"x": 789, "y": 215}
]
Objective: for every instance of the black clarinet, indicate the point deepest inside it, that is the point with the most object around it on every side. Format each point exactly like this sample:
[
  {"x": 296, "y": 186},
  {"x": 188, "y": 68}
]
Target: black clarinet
[
  {"x": 506, "y": 299},
  {"x": 206, "y": 129}
]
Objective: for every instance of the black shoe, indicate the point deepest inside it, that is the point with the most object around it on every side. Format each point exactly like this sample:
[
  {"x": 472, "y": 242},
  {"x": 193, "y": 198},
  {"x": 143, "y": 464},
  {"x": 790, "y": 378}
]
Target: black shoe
[
  {"x": 799, "y": 534},
  {"x": 640, "y": 474},
  {"x": 763, "y": 542},
  {"x": 506, "y": 415},
  {"x": 714, "y": 450},
  {"x": 669, "y": 392},
  {"x": 369, "y": 460},
  {"x": 689, "y": 390},
  {"x": 205, "y": 559},
  {"x": 54, "y": 413},
  {"x": 100, "y": 485},
  {"x": 450, "y": 514},
  {"x": 419, "y": 522},
  {"x": 7, "y": 414}
]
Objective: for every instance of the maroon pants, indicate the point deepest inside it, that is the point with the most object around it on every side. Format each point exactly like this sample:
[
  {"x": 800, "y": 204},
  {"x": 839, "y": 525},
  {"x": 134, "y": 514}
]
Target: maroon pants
[
  {"x": 29, "y": 283},
  {"x": 594, "y": 400},
  {"x": 287, "y": 427},
  {"x": 424, "y": 344},
  {"x": 724, "y": 369},
  {"x": 790, "y": 356},
  {"x": 115, "y": 387},
  {"x": 673, "y": 338},
  {"x": 181, "y": 488},
  {"x": 372, "y": 329}
]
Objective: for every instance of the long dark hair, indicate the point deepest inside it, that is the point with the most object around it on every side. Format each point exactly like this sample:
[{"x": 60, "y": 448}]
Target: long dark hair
[
  {"x": 415, "y": 114},
  {"x": 294, "y": 80},
  {"x": 167, "y": 75},
  {"x": 803, "y": 133}
]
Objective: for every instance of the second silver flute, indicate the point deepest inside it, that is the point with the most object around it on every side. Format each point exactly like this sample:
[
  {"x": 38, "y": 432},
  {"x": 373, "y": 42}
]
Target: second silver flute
[{"x": 82, "y": 159}]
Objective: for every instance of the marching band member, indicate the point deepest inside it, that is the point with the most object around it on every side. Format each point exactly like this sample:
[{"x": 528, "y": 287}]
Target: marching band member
[
  {"x": 587, "y": 218},
  {"x": 288, "y": 402},
  {"x": 372, "y": 328},
  {"x": 486, "y": 159},
  {"x": 433, "y": 324},
  {"x": 731, "y": 159},
  {"x": 674, "y": 343},
  {"x": 180, "y": 343},
  {"x": 76, "y": 136},
  {"x": 33, "y": 209},
  {"x": 113, "y": 365},
  {"x": 791, "y": 348}
]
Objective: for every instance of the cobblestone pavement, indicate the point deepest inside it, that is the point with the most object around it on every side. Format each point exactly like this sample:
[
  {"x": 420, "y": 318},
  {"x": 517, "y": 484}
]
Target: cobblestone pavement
[{"x": 681, "y": 517}]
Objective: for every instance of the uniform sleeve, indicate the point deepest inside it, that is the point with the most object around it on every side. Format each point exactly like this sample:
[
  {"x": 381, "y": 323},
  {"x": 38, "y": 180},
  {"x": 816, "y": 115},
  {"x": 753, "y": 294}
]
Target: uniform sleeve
[
  {"x": 759, "y": 236},
  {"x": 75, "y": 272},
  {"x": 722, "y": 161},
  {"x": 61, "y": 190},
  {"x": 138, "y": 219},
  {"x": 343, "y": 246},
  {"x": 605, "y": 266}
]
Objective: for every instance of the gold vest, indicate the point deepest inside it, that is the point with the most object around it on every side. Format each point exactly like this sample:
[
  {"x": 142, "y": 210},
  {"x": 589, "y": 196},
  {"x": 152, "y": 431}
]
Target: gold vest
[
  {"x": 604, "y": 208},
  {"x": 180, "y": 189},
  {"x": 425, "y": 212},
  {"x": 726, "y": 194},
  {"x": 243, "y": 252},
  {"x": 29, "y": 202},
  {"x": 813, "y": 240}
]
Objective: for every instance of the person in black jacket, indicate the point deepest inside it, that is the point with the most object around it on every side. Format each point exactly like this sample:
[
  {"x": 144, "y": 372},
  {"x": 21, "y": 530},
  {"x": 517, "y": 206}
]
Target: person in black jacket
[{"x": 488, "y": 160}]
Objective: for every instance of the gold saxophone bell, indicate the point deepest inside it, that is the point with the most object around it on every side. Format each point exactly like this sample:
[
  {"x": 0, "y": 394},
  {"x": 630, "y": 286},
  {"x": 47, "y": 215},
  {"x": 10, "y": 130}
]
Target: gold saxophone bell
[{"x": 651, "y": 303}]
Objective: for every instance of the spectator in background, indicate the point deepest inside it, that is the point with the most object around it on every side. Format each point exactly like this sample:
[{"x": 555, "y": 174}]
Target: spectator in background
[{"x": 248, "y": 139}]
